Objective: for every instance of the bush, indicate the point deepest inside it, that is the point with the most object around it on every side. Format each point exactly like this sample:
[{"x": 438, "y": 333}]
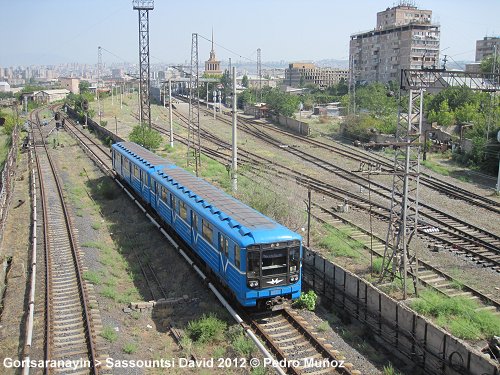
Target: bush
[
  {"x": 307, "y": 300},
  {"x": 207, "y": 328},
  {"x": 145, "y": 136}
]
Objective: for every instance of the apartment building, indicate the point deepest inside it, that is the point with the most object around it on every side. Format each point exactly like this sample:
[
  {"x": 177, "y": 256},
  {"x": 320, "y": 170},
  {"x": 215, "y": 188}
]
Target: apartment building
[
  {"x": 405, "y": 38},
  {"x": 301, "y": 73},
  {"x": 486, "y": 47}
]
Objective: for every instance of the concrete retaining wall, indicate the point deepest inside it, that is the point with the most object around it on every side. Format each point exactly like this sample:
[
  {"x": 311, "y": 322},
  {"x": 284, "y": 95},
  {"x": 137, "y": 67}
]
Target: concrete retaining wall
[
  {"x": 292, "y": 124},
  {"x": 391, "y": 322}
]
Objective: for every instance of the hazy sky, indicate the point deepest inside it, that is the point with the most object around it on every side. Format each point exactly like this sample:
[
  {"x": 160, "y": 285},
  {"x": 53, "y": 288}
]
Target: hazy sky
[{"x": 59, "y": 31}]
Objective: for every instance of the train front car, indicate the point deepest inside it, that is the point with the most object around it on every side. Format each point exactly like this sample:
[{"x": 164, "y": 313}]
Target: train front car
[{"x": 273, "y": 270}]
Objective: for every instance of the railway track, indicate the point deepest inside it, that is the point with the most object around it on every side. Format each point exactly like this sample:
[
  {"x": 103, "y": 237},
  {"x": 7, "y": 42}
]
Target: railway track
[
  {"x": 428, "y": 275},
  {"x": 320, "y": 358},
  {"x": 298, "y": 346},
  {"x": 70, "y": 329},
  {"x": 439, "y": 227}
]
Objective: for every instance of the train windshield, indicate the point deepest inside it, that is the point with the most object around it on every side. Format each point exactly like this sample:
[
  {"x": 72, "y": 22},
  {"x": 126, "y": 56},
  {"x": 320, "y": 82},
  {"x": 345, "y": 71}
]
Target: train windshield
[
  {"x": 274, "y": 262},
  {"x": 294, "y": 259},
  {"x": 253, "y": 263}
]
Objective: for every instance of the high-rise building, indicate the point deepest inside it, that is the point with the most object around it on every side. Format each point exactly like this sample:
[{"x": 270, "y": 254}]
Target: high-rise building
[
  {"x": 405, "y": 38},
  {"x": 486, "y": 47},
  {"x": 300, "y": 74}
]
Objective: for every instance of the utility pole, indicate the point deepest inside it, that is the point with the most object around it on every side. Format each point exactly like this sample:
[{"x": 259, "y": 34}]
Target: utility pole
[
  {"x": 234, "y": 175},
  {"x": 99, "y": 72},
  {"x": 351, "y": 110},
  {"x": 170, "y": 112},
  {"x": 259, "y": 74},
  {"x": 143, "y": 7}
]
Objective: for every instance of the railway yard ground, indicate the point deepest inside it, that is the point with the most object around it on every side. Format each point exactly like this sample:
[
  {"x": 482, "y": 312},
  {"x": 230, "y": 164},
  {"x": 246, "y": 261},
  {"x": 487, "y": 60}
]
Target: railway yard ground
[
  {"x": 128, "y": 261},
  {"x": 463, "y": 268}
]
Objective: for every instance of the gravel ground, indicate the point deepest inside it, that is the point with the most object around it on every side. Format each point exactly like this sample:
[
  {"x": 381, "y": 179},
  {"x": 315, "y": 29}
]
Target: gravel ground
[
  {"x": 16, "y": 244},
  {"x": 466, "y": 271}
]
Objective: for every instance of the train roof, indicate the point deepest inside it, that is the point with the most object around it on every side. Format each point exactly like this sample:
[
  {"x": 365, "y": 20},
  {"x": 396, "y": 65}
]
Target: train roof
[
  {"x": 227, "y": 208},
  {"x": 142, "y": 154}
]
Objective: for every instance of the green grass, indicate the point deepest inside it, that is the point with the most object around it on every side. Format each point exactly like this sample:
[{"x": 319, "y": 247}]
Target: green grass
[
  {"x": 96, "y": 225},
  {"x": 109, "y": 334},
  {"x": 390, "y": 370},
  {"x": 323, "y": 326},
  {"x": 436, "y": 167},
  {"x": 129, "y": 348},
  {"x": 93, "y": 277},
  {"x": 458, "y": 315},
  {"x": 339, "y": 244},
  {"x": 206, "y": 329},
  {"x": 243, "y": 345}
]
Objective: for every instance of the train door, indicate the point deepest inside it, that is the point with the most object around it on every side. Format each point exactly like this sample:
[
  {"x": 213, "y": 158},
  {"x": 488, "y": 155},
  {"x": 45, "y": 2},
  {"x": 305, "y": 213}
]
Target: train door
[
  {"x": 154, "y": 201},
  {"x": 194, "y": 228},
  {"x": 224, "y": 253}
]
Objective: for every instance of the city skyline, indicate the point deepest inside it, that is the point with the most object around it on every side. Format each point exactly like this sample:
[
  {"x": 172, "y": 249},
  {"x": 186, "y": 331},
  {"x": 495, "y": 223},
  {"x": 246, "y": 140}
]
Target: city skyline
[{"x": 53, "y": 32}]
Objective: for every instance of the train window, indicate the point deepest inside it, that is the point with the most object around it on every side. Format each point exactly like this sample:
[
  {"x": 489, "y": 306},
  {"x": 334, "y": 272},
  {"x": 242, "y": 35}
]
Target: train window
[
  {"x": 207, "y": 230},
  {"x": 237, "y": 256},
  {"x": 183, "y": 210},
  {"x": 223, "y": 245},
  {"x": 172, "y": 202},
  {"x": 136, "y": 172},
  {"x": 126, "y": 165},
  {"x": 144, "y": 177},
  {"x": 253, "y": 264},
  {"x": 163, "y": 194},
  {"x": 294, "y": 259},
  {"x": 274, "y": 262}
]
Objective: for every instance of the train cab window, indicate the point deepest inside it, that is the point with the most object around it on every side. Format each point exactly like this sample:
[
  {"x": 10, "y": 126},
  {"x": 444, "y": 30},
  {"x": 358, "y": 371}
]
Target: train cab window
[
  {"x": 207, "y": 230},
  {"x": 237, "y": 256},
  {"x": 294, "y": 259},
  {"x": 183, "y": 210},
  {"x": 136, "y": 172},
  {"x": 223, "y": 245},
  {"x": 274, "y": 262},
  {"x": 163, "y": 194},
  {"x": 253, "y": 264}
]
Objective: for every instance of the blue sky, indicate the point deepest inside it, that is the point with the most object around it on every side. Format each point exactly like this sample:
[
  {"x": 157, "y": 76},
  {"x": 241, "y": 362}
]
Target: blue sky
[{"x": 57, "y": 31}]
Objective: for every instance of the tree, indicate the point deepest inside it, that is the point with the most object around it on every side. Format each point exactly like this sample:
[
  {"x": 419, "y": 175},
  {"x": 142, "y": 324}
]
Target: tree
[
  {"x": 146, "y": 137},
  {"x": 244, "y": 81},
  {"x": 487, "y": 64},
  {"x": 443, "y": 116},
  {"x": 84, "y": 86}
]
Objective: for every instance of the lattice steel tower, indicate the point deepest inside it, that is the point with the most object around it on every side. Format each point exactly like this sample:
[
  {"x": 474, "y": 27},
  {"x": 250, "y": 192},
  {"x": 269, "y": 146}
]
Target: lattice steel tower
[
  {"x": 403, "y": 219},
  {"x": 194, "y": 145},
  {"x": 144, "y": 6}
]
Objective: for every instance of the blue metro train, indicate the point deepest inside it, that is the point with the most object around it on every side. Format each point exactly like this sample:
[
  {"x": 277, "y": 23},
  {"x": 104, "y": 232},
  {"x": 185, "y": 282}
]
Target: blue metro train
[{"x": 255, "y": 258}]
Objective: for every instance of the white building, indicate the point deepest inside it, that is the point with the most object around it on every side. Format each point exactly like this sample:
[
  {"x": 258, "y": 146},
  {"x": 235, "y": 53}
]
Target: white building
[
  {"x": 49, "y": 96},
  {"x": 4, "y": 87}
]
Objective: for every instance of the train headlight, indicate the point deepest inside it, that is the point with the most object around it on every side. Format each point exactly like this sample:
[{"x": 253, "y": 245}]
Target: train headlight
[
  {"x": 294, "y": 278},
  {"x": 253, "y": 283}
]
